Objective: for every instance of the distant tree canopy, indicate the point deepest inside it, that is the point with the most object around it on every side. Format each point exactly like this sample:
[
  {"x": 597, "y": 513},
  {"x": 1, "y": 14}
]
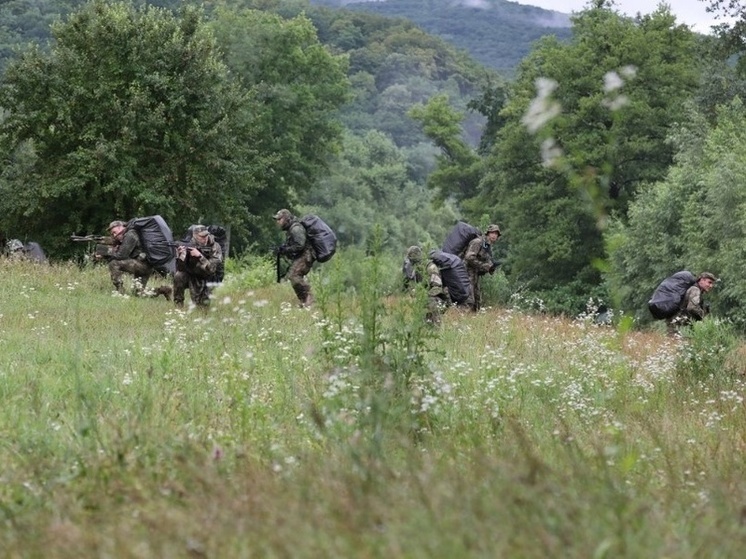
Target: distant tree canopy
[{"x": 134, "y": 112}]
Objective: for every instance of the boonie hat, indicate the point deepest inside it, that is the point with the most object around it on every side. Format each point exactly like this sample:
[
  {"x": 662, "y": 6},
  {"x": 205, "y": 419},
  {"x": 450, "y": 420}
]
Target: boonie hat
[
  {"x": 282, "y": 213},
  {"x": 707, "y": 275},
  {"x": 493, "y": 228},
  {"x": 117, "y": 223}
]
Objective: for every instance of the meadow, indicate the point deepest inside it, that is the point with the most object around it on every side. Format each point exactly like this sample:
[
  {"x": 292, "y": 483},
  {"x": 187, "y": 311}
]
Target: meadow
[{"x": 130, "y": 428}]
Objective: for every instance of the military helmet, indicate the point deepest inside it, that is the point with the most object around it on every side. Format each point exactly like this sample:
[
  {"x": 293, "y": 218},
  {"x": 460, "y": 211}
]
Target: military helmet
[
  {"x": 493, "y": 228},
  {"x": 414, "y": 253}
]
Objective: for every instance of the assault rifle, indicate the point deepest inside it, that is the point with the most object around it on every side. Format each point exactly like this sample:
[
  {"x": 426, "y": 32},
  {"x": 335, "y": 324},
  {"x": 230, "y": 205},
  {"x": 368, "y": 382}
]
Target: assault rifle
[
  {"x": 278, "y": 251},
  {"x": 204, "y": 249},
  {"x": 92, "y": 239}
]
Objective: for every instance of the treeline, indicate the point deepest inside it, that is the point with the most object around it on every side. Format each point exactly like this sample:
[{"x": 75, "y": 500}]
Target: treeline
[
  {"x": 610, "y": 161},
  {"x": 109, "y": 119}
]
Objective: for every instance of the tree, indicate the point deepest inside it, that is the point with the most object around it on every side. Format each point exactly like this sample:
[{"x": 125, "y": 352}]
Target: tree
[
  {"x": 693, "y": 219},
  {"x": 598, "y": 130},
  {"x": 459, "y": 167},
  {"x": 297, "y": 86},
  {"x": 131, "y": 113}
]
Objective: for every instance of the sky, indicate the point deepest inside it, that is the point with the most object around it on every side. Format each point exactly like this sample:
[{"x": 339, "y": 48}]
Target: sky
[{"x": 690, "y": 12}]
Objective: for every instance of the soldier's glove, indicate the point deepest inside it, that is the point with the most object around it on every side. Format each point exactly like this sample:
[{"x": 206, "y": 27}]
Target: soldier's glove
[{"x": 280, "y": 250}]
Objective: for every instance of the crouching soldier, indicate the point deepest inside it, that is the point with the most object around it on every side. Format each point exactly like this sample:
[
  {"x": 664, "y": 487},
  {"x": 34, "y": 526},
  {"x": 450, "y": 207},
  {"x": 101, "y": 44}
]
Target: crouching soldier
[
  {"x": 196, "y": 264},
  {"x": 127, "y": 255},
  {"x": 414, "y": 272}
]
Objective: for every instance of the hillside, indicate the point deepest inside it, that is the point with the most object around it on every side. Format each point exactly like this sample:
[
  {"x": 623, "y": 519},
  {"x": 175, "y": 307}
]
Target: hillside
[{"x": 497, "y": 33}]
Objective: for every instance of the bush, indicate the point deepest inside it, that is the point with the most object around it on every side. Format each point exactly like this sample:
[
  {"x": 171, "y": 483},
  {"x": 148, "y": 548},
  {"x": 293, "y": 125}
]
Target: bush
[{"x": 710, "y": 350}]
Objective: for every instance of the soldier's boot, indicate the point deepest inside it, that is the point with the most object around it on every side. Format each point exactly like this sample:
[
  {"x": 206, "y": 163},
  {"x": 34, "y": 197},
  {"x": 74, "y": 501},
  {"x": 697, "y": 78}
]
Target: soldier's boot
[
  {"x": 119, "y": 287},
  {"x": 164, "y": 290},
  {"x": 301, "y": 293},
  {"x": 309, "y": 300}
]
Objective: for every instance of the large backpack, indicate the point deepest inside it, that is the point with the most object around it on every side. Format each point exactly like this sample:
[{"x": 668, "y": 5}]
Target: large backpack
[
  {"x": 155, "y": 238},
  {"x": 454, "y": 275},
  {"x": 459, "y": 238},
  {"x": 667, "y": 297},
  {"x": 320, "y": 235}
]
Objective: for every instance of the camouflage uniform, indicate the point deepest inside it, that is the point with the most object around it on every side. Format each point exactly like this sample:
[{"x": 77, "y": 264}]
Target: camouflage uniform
[
  {"x": 692, "y": 307},
  {"x": 128, "y": 257},
  {"x": 196, "y": 272},
  {"x": 478, "y": 260},
  {"x": 299, "y": 251},
  {"x": 412, "y": 273},
  {"x": 437, "y": 295}
]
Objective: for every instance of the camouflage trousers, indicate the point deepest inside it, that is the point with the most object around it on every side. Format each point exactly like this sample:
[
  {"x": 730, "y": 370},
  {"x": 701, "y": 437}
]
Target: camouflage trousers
[
  {"x": 475, "y": 299},
  {"x": 435, "y": 309},
  {"x": 199, "y": 288},
  {"x": 299, "y": 269},
  {"x": 140, "y": 269}
]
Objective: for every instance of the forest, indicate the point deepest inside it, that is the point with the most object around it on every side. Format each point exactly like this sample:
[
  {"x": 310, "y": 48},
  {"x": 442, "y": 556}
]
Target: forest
[{"x": 610, "y": 157}]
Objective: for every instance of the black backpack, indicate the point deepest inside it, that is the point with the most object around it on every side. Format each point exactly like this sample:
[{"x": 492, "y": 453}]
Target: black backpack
[
  {"x": 454, "y": 275},
  {"x": 667, "y": 297},
  {"x": 459, "y": 237},
  {"x": 155, "y": 236},
  {"x": 320, "y": 235}
]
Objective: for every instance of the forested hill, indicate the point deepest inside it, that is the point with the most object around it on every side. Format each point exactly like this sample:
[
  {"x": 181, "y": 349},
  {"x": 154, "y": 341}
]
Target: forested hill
[{"x": 497, "y": 33}]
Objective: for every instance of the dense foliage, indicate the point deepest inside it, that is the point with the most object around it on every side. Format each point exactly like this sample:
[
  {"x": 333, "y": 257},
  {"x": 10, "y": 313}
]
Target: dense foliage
[{"x": 585, "y": 159}]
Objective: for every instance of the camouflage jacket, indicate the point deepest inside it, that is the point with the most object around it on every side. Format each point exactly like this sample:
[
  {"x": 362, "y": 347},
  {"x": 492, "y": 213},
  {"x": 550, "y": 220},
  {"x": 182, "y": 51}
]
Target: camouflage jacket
[
  {"x": 692, "y": 303},
  {"x": 129, "y": 248},
  {"x": 478, "y": 255},
  {"x": 204, "y": 266},
  {"x": 296, "y": 241}
]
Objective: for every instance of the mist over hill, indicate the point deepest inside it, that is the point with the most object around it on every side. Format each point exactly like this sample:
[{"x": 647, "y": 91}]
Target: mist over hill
[{"x": 497, "y": 33}]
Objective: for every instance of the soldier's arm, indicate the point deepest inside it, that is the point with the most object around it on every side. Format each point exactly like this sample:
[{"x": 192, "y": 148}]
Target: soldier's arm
[
  {"x": 124, "y": 250},
  {"x": 296, "y": 240},
  {"x": 209, "y": 264},
  {"x": 472, "y": 259},
  {"x": 694, "y": 302}
]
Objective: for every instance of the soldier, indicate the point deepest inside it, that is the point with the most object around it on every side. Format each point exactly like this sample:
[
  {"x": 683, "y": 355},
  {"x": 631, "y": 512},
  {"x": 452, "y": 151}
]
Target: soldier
[
  {"x": 16, "y": 250},
  {"x": 410, "y": 270},
  {"x": 299, "y": 251},
  {"x": 437, "y": 294},
  {"x": 196, "y": 264},
  {"x": 126, "y": 255},
  {"x": 692, "y": 307},
  {"x": 478, "y": 260}
]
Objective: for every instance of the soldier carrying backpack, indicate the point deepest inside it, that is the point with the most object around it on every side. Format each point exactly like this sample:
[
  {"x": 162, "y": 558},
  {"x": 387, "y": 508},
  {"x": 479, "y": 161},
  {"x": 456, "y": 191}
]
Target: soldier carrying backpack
[
  {"x": 307, "y": 240},
  {"x": 678, "y": 299}
]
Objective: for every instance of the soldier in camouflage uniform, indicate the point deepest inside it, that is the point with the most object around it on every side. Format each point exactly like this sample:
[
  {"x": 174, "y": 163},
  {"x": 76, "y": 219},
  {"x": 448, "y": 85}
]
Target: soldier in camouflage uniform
[
  {"x": 692, "y": 307},
  {"x": 196, "y": 264},
  {"x": 299, "y": 251},
  {"x": 478, "y": 260},
  {"x": 437, "y": 295},
  {"x": 126, "y": 255}
]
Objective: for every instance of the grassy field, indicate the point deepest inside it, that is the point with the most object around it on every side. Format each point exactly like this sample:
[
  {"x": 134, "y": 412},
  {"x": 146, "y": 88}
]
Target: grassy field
[{"x": 129, "y": 428}]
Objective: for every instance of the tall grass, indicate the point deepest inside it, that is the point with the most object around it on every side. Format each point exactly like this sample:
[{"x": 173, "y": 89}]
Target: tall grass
[{"x": 129, "y": 428}]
